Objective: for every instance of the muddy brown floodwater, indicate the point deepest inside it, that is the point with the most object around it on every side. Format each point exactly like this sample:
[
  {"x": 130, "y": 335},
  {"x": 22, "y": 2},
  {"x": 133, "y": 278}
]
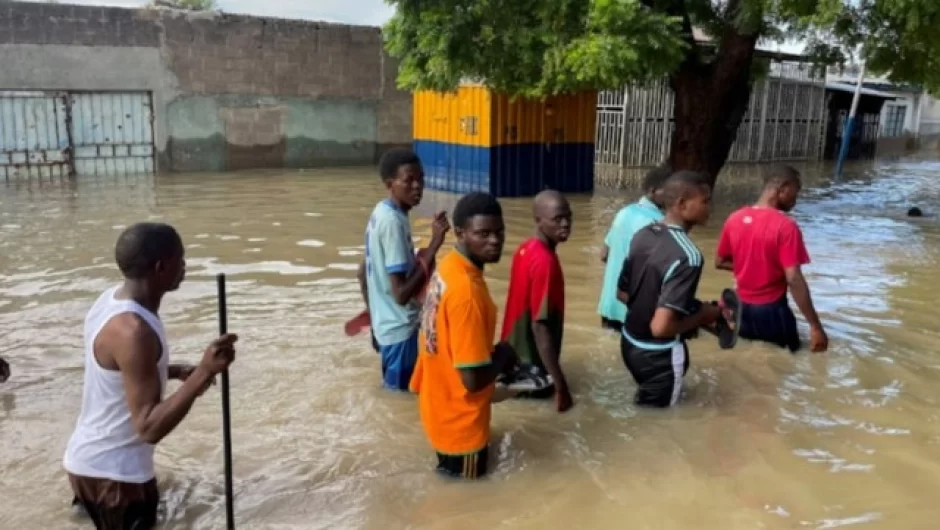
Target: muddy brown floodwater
[{"x": 763, "y": 439}]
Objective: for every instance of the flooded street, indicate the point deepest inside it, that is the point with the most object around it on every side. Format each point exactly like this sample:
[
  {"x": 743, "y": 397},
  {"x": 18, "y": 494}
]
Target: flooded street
[{"x": 850, "y": 438}]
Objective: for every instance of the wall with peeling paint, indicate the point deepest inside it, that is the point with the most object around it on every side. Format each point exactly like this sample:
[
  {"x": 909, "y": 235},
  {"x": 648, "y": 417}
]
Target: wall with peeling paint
[{"x": 229, "y": 91}]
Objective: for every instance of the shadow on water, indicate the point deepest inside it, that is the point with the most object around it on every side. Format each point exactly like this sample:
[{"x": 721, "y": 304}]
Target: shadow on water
[{"x": 763, "y": 439}]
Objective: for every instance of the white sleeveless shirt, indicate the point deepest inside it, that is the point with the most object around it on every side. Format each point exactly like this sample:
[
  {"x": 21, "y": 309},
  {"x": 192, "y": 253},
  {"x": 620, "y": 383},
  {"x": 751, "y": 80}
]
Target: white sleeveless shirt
[{"x": 105, "y": 443}]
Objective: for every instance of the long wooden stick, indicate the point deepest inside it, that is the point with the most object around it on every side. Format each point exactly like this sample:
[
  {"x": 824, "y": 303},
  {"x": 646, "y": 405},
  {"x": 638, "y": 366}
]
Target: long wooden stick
[{"x": 226, "y": 414}]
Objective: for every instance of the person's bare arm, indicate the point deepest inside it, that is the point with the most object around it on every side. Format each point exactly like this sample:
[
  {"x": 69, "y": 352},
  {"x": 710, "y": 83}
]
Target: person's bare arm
[
  {"x": 800, "y": 291},
  {"x": 404, "y": 288},
  {"x": 548, "y": 352},
  {"x": 679, "y": 312},
  {"x": 668, "y": 323},
  {"x": 363, "y": 286},
  {"x": 136, "y": 350},
  {"x": 477, "y": 378}
]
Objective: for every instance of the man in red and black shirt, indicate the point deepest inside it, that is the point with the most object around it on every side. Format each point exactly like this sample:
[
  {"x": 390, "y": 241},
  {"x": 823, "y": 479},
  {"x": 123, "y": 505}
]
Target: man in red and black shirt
[
  {"x": 764, "y": 248},
  {"x": 535, "y": 304}
]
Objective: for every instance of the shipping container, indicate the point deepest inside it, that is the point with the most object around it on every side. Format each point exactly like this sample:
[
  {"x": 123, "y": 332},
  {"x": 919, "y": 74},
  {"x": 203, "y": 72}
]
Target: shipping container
[{"x": 475, "y": 140}]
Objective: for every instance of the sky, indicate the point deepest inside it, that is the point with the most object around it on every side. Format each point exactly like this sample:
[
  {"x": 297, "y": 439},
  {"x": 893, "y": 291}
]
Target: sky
[{"x": 363, "y": 12}]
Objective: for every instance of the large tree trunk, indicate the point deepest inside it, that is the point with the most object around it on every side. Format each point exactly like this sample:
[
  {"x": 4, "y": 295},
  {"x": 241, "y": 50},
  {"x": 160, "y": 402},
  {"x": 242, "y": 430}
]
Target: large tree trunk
[{"x": 710, "y": 102}]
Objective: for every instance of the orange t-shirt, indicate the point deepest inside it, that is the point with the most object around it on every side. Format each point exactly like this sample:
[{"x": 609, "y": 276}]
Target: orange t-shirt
[{"x": 458, "y": 323}]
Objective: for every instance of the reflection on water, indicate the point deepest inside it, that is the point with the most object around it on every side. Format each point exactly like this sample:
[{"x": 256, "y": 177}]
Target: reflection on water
[{"x": 763, "y": 440}]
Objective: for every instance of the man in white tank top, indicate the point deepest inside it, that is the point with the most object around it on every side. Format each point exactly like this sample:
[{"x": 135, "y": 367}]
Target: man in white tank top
[{"x": 109, "y": 458}]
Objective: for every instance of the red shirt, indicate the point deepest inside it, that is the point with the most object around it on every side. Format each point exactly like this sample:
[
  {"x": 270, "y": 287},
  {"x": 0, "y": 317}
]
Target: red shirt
[
  {"x": 536, "y": 293},
  {"x": 761, "y": 242}
]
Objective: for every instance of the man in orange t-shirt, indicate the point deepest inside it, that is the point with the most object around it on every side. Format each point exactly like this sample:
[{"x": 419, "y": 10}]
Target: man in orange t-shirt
[{"x": 457, "y": 363}]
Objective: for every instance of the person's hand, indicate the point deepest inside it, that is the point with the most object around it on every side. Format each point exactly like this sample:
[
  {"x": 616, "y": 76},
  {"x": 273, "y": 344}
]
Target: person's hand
[
  {"x": 439, "y": 228},
  {"x": 219, "y": 355},
  {"x": 818, "y": 341},
  {"x": 4, "y": 371},
  {"x": 504, "y": 356},
  {"x": 563, "y": 400}
]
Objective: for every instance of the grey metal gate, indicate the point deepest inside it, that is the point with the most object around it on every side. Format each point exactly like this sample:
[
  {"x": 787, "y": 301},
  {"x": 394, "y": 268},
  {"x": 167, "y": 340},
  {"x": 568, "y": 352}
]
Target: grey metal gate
[{"x": 55, "y": 134}]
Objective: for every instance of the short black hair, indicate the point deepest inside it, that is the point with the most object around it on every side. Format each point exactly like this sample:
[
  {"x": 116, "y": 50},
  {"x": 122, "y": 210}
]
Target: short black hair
[
  {"x": 142, "y": 245},
  {"x": 656, "y": 177},
  {"x": 681, "y": 183},
  {"x": 780, "y": 175},
  {"x": 474, "y": 204},
  {"x": 393, "y": 159}
]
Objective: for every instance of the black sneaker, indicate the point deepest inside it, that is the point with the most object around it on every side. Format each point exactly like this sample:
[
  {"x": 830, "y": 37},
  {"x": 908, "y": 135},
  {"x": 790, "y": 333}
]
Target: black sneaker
[
  {"x": 729, "y": 325},
  {"x": 527, "y": 378}
]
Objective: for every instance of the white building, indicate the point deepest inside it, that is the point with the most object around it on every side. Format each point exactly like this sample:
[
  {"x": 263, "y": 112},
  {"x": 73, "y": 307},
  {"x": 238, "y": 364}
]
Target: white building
[{"x": 912, "y": 114}]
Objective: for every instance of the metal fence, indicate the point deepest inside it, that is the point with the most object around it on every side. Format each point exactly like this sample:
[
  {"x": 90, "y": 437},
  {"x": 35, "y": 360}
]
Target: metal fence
[
  {"x": 57, "y": 134},
  {"x": 785, "y": 120}
]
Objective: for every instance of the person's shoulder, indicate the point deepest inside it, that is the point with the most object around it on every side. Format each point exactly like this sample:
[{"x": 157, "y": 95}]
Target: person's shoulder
[
  {"x": 648, "y": 236},
  {"x": 127, "y": 332},
  {"x": 533, "y": 248},
  {"x": 740, "y": 214},
  {"x": 678, "y": 246},
  {"x": 652, "y": 230}
]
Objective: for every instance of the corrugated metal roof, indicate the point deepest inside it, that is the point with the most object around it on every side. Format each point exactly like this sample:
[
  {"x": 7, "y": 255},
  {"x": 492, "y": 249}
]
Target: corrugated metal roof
[{"x": 846, "y": 87}]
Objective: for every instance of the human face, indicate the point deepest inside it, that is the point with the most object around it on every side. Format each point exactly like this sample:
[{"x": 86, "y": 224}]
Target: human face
[
  {"x": 787, "y": 195},
  {"x": 407, "y": 187},
  {"x": 171, "y": 272},
  {"x": 695, "y": 209},
  {"x": 554, "y": 221},
  {"x": 483, "y": 237}
]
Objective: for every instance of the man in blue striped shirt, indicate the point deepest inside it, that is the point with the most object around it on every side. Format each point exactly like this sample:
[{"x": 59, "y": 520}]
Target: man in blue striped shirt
[
  {"x": 658, "y": 284},
  {"x": 617, "y": 244}
]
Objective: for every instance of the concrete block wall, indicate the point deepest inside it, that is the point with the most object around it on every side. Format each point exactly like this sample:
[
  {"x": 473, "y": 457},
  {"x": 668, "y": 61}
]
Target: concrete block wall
[{"x": 229, "y": 91}]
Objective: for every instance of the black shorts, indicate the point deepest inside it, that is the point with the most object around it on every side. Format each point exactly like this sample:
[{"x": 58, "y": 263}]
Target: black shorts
[
  {"x": 658, "y": 373},
  {"x": 773, "y": 323},
  {"x": 615, "y": 325},
  {"x": 470, "y": 466},
  {"x": 115, "y": 505}
]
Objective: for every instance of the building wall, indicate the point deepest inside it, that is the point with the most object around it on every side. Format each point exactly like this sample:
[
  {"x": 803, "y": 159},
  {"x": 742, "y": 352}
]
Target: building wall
[
  {"x": 229, "y": 91},
  {"x": 929, "y": 128}
]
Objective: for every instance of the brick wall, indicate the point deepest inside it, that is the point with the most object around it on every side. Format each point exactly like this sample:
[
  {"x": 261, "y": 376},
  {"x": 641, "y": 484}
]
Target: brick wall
[
  {"x": 41, "y": 23},
  {"x": 246, "y": 55}
]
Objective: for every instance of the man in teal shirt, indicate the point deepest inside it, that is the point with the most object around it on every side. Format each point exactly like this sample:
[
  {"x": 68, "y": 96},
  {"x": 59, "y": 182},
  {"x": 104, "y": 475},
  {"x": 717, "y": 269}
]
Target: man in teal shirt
[{"x": 627, "y": 222}]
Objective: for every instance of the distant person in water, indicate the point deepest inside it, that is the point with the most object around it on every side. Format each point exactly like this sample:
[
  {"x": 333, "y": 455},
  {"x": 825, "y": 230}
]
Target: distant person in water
[
  {"x": 658, "y": 283},
  {"x": 915, "y": 212},
  {"x": 535, "y": 303},
  {"x": 392, "y": 275},
  {"x": 4, "y": 370},
  {"x": 628, "y": 220},
  {"x": 455, "y": 378},
  {"x": 764, "y": 248},
  {"x": 125, "y": 409}
]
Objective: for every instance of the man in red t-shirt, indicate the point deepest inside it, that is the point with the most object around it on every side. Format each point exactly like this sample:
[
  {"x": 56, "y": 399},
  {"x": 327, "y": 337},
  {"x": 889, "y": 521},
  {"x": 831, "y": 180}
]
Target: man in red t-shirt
[
  {"x": 535, "y": 303},
  {"x": 764, "y": 248}
]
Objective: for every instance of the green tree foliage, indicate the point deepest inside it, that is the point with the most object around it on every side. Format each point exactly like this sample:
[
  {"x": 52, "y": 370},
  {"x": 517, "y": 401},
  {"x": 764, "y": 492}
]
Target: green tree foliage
[
  {"x": 535, "y": 48},
  {"x": 539, "y": 47},
  {"x": 196, "y": 5}
]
